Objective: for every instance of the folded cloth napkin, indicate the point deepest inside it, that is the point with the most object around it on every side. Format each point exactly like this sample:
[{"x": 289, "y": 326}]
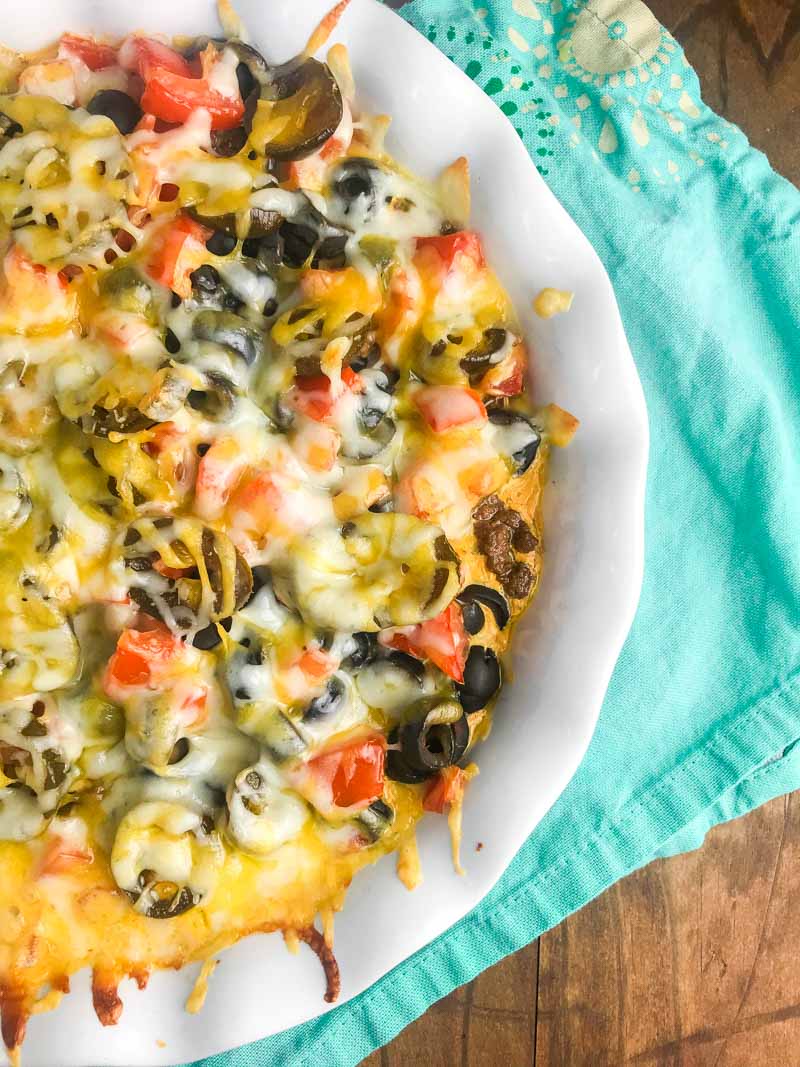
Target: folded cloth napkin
[{"x": 702, "y": 242}]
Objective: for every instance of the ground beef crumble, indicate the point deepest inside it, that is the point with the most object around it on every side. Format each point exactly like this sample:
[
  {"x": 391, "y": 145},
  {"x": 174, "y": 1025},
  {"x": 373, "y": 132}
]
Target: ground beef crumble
[{"x": 501, "y": 532}]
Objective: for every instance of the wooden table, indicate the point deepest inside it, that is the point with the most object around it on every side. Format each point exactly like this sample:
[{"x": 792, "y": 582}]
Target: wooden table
[{"x": 692, "y": 961}]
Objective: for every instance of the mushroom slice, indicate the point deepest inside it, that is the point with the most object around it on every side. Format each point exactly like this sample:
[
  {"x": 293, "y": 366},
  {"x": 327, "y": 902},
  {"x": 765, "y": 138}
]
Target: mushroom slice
[
  {"x": 262, "y": 814},
  {"x": 377, "y": 570},
  {"x": 166, "y": 857}
]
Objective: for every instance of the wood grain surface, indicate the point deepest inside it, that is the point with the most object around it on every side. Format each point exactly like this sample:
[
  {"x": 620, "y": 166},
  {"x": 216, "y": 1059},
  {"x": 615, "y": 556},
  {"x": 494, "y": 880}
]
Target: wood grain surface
[{"x": 693, "y": 961}]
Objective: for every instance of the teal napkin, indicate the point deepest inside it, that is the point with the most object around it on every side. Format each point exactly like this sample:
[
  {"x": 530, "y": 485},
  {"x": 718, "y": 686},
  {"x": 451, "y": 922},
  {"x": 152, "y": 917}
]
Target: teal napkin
[{"x": 702, "y": 242}]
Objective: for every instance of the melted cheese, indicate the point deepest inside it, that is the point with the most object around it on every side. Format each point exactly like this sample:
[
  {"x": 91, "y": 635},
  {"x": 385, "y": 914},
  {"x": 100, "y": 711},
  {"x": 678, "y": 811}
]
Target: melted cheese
[{"x": 158, "y": 448}]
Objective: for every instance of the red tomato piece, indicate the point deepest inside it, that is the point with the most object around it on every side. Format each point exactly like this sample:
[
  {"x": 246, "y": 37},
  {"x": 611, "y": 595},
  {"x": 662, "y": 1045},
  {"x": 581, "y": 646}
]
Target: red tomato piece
[
  {"x": 169, "y": 264},
  {"x": 444, "y": 789},
  {"x": 449, "y": 247},
  {"x": 95, "y": 54},
  {"x": 258, "y": 503},
  {"x": 140, "y": 54},
  {"x": 137, "y": 654},
  {"x": 442, "y": 640},
  {"x": 61, "y": 857},
  {"x": 400, "y": 303},
  {"x": 218, "y": 475},
  {"x": 353, "y": 380},
  {"x": 170, "y": 572},
  {"x": 508, "y": 377},
  {"x": 353, "y": 771},
  {"x": 446, "y": 406},
  {"x": 313, "y": 396},
  {"x": 316, "y": 663},
  {"x": 174, "y": 98}
]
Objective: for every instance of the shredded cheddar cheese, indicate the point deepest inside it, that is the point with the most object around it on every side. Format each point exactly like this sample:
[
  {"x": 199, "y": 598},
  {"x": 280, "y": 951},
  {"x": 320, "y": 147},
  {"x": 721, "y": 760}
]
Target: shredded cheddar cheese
[{"x": 552, "y": 302}]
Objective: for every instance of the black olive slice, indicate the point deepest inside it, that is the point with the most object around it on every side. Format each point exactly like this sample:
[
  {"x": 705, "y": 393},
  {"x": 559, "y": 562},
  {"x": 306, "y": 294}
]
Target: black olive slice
[
  {"x": 168, "y": 903},
  {"x": 383, "y": 505},
  {"x": 473, "y": 617},
  {"x": 410, "y": 664},
  {"x": 479, "y": 359},
  {"x": 221, "y": 243},
  {"x": 230, "y": 331},
  {"x": 8, "y": 128},
  {"x": 180, "y": 750},
  {"x": 490, "y": 598},
  {"x": 375, "y": 820},
  {"x": 366, "y": 649},
  {"x": 217, "y": 400},
  {"x": 228, "y": 143},
  {"x": 482, "y": 678},
  {"x": 306, "y": 95},
  {"x": 519, "y": 427},
  {"x": 328, "y": 702},
  {"x": 429, "y": 745},
  {"x": 399, "y": 771},
  {"x": 209, "y": 637},
  {"x": 354, "y": 185},
  {"x": 122, "y": 109},
  {"x": 122, "y": 419}
]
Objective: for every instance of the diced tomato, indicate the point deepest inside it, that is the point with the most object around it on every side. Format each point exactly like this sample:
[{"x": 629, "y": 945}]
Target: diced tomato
[
  {"x": 33, "y": 299},
  {"x": 170, "y": 572},
  {"x": 347, "y": 285},
  {"x": 400, "y": 310},
  {"x": 163, "y": 435},
  {"x": 449, "y": 248},
  {"x": 508, "y": 377},
  {"x": 316, "y": 663},
  {"x": 156, "y": 660},
  {"x": 442, "y": 640},
  {"x": 95, "y": 54},
  {"x": 446, "y": 788},
  {"x": 218, "y": 474},
  {"x": 61, "y": 857},
  {"x": 139, "y": 658},
  {"x": 353, "y": 380},
  {"x": 446, "y": 406},
  {"x": 180, "y": 251},
  {"x": 175, "y": 457},
  {"x": 313, "y": 396},
  {"x": 174, "y": 98},
  {"x": 257, "y": 503},
  {"x": 316, "y": 445},
  {"x": 140, "y": 54},
  {"x": 146, "y": 123},
  {"x": 193, "y": 705},
  {"x": 353, "y": 772},
  {"x": 123, "y": 330}
]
